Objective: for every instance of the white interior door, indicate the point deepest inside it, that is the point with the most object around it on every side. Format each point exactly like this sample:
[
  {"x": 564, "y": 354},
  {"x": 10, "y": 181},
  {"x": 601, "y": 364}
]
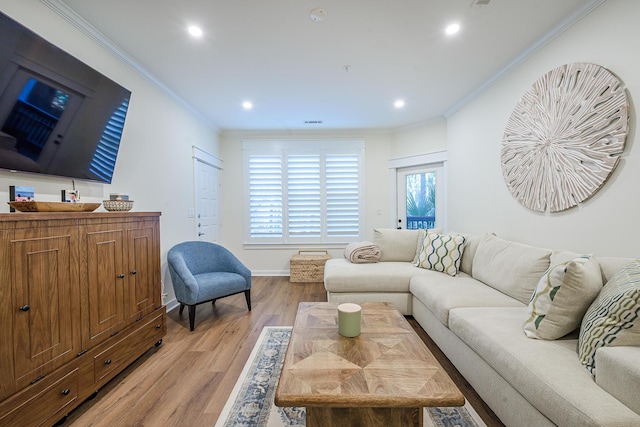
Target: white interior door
[
  {"x": 420, "y": 192},
  {"x": 207, "y": 194}
]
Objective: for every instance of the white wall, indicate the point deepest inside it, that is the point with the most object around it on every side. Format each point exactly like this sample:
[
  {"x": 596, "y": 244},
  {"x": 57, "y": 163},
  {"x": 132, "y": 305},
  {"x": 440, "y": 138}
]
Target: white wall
[
  {"x": 154, "y": 165},
  {"x": 423, "y": 138},
  {"x": 479, "y": 200}
]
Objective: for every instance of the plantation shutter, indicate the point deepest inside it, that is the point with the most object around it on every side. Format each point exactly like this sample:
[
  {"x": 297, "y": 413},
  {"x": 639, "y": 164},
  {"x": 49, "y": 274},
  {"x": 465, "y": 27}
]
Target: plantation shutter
[
  {"x": 343, "y": 210},
  {"x": 265, "y": 189},
  {"x": 303, "y": 192},
  {"x": 304, "y": 196}
]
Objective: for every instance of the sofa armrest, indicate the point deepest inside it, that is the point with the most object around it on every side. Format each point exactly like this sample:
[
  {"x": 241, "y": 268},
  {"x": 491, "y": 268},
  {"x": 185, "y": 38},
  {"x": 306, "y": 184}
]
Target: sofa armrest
[{"x": 618, "y": 373}]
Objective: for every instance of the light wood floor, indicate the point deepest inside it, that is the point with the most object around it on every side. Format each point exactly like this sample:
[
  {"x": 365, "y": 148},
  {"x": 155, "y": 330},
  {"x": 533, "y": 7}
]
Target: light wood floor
[{"x": 187, "y": 380}]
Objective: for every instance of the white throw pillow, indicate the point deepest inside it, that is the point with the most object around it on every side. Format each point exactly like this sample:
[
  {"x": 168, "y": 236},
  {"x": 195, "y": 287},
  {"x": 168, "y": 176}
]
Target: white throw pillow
[
  {"x": 562, "y": 297},
  {"x": 612, "y": 319},
  {"x": 441, "y": 253}
]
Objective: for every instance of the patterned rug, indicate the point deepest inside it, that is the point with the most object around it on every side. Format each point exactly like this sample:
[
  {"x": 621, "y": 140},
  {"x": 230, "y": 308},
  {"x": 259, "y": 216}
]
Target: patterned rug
[{"x": 251, "y": 401}]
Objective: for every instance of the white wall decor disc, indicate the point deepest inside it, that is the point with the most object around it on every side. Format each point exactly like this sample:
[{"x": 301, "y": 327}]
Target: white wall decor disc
[{"x": 565, "y": 137}]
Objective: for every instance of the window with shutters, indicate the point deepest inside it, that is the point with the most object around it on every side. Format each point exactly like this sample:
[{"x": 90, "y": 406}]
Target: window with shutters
[{"x": 303, "y": 192}]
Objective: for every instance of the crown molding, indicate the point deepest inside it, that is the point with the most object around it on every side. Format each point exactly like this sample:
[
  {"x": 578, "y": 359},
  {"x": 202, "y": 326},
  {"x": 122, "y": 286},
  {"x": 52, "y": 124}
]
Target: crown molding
[
  {"x": 68, "y": 14},
  {"x": 532, "y": 50}
]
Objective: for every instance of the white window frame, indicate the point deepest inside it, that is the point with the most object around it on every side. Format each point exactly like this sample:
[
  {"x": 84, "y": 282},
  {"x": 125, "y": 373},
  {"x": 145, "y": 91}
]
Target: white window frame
[{"x": 295, "y": 147}]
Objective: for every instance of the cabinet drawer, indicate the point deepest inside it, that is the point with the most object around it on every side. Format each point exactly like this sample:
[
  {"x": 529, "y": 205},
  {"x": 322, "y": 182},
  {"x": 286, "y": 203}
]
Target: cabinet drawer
[
  {"x": 115, "y": 358},
  {"x": 41, "y": 402}
]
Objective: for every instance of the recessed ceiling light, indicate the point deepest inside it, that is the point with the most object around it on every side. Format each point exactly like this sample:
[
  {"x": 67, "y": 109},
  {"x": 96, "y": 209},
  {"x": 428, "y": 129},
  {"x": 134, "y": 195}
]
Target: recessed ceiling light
[
  {"x": 247, "y": 105},
  {"x": 452, "y": 29},
  {"x": 195, "y": 31},
  {"x": 399, "y": 103}
]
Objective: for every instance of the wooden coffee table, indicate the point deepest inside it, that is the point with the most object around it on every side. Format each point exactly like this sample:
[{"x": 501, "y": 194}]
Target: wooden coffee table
[{"x": 384, "y": 377}]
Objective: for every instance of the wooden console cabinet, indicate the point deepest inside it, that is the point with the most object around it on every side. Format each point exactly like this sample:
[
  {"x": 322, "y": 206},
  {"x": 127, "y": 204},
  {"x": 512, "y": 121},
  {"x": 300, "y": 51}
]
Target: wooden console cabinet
[{"x": 80, "y": 300}]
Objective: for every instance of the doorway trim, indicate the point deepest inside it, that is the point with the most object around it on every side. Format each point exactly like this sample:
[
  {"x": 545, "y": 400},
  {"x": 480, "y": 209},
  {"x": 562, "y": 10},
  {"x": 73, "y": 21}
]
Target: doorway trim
[
  {"x": 427, "y": 159},
  {"x": 203, "y": 157}
]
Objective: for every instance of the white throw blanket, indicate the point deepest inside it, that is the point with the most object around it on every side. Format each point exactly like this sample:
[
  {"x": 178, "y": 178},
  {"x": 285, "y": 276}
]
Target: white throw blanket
[{"x": 362, "y": 252}]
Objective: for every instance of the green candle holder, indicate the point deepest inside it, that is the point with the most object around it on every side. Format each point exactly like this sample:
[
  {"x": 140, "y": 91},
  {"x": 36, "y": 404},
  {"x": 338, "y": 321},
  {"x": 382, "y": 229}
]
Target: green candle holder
[{"x": 349, "y": 319}]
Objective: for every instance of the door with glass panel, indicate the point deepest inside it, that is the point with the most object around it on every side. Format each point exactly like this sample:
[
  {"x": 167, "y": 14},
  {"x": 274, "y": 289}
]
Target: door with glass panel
[{"x": 420, "y": 197}]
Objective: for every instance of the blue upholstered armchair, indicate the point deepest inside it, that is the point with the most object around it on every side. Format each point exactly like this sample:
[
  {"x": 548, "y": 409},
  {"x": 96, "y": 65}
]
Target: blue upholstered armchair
[{"x": 203, "y": 272}]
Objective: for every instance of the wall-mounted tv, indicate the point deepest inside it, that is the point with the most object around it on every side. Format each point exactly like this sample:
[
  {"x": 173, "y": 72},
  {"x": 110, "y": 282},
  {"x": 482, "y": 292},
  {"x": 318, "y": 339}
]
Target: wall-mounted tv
[{"x": 58, "y": 116}]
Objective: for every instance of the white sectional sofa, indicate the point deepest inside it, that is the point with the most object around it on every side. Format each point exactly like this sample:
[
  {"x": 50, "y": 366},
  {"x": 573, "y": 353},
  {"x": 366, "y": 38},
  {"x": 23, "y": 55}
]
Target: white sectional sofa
[{"x": 476, "y": 318}]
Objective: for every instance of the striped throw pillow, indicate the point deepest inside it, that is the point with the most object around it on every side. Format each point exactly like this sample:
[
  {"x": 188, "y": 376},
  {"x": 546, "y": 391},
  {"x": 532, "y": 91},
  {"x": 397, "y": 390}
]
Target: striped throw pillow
[
  {"x": 612, "y": 319},
  {"x": 441, "y": 252}
]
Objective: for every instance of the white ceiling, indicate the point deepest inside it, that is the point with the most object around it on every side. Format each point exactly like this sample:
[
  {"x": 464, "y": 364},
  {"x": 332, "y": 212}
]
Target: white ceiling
[{"x": 293, "y": 69}]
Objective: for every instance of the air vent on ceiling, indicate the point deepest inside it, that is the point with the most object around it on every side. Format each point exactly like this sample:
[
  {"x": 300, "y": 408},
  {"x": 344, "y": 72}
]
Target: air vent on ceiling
[
  {"x": 480, "y": 2},
  {"x": 313, "y": 122}
]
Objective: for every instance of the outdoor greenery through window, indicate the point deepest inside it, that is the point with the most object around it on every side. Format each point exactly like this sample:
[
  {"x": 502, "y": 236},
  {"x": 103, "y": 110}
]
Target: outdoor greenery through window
[
  {"x": 421, "y": 200},
  {"x": 303, "y": 192}
]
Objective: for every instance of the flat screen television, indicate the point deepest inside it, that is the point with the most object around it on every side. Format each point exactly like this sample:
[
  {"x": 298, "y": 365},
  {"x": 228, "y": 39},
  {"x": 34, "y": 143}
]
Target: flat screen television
[{"x": 58, "y": 116}]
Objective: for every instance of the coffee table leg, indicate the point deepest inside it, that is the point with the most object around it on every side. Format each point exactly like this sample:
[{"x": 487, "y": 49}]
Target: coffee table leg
[{"x": 370, "y": 417}]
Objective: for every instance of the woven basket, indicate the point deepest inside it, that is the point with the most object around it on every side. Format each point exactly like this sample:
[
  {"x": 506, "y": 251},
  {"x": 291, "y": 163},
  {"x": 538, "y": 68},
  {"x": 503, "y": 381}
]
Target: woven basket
[
  {"x": 117, "y": 205},
  {"x": 308, "y": 266}
]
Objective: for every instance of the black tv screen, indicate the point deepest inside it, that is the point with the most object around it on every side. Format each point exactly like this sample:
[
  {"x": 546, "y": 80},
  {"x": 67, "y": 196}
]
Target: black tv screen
[{"x": 58, "y": 116}]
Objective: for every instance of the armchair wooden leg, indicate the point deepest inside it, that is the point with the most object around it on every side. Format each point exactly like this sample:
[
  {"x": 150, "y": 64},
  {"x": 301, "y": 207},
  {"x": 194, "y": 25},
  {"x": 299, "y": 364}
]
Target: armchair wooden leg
[
  {"x": 192, "y": 317},
  {"x": 181, "y": 308},
  {"x": 247, "y": 296}
]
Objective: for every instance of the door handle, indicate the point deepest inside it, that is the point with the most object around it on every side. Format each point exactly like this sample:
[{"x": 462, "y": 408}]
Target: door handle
[{"x": 201, "y": 234}]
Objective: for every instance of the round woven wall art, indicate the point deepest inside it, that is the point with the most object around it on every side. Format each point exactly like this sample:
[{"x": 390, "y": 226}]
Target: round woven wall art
[{"x": 564, "y": 137}]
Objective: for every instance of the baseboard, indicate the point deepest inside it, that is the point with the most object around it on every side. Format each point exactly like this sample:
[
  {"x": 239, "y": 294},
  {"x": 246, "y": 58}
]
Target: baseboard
[
  {"x": 172, "y": 304},
  {"x": 261, "y": 273}
]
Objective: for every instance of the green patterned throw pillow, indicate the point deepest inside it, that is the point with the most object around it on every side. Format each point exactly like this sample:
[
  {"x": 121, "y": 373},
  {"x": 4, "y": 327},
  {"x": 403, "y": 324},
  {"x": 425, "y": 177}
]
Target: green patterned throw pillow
[
  {"x": 562, "y": 297},
  {"x": 441, "y": 253},
  {"x": 612, "y": 319}
]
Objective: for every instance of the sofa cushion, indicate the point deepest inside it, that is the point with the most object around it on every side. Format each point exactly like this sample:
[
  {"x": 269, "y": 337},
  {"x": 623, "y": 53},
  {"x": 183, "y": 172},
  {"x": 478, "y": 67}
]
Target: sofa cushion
[
  {"x": 396, "y": 245},
  {"x": 442, "y": 293},
  {"x": 441, "y": 253},
  {"x": 619, "y": 374},
  {"x": 341, "y": 275},
  {"x": 510, "y": 267},
  {"x": 470, "y": 248},
  {"x": 547, "y": 373},
  {"x": 563, "y": 295},
  {"x": 611, "y": 265},
  {"x": 612, "y": 319}
]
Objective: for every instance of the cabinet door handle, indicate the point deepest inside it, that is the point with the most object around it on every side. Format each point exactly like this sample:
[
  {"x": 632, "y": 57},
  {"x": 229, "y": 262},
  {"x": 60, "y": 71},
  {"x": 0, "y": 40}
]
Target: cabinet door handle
[
  {"x": 37, "y": 379},
  {"x": 66, "y": 391},
  {"x": 120, "y": 276},
  {"x": 134, "y": 271},
  {"x": 158, "y": 326},
  {"x": 25, "y": 307},
  {"x": 107, "y": 362}
]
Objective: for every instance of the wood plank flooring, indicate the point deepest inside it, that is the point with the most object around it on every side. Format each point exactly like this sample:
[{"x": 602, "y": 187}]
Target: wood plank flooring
[{"x": 187, "y": 380}]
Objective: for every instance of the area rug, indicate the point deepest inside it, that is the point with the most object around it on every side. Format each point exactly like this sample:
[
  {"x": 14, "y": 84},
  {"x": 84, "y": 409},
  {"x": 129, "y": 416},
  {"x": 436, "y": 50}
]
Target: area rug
[{"x": 251, "y": 401}]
